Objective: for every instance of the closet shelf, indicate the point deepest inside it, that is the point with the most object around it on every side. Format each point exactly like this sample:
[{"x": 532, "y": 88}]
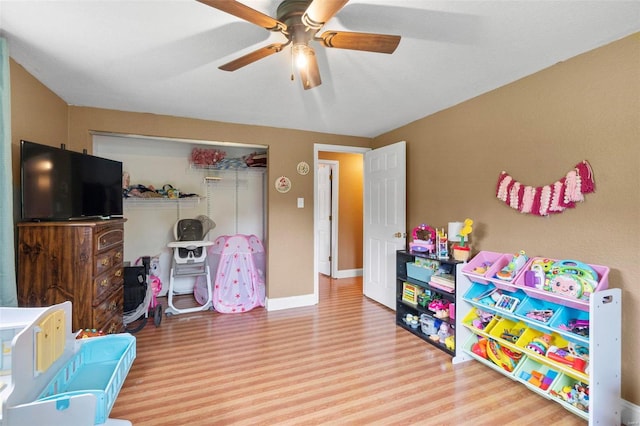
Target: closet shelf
[
  {"x": 161, "y": 201},
  {"x": 224, "y": 169}
]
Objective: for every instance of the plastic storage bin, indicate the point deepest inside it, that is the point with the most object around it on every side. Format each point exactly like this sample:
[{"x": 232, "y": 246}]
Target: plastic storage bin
[
  {"x": 536, "y": 342},
  {"x": 498, "y": 265},
  {"x": 567, "y": 300},
  {"x": 538, "y": 310},
  {"x": 573, "y": 394},
  {"x": 418, "y": 272},
  {"x": 480, "y": 323},
  {"x": 100, "y": 368},
  {"x": 479, "y": 266},
  {"x": 535, "y": 375},
  {"x": 574, "y": 321},
  {"x": 508, "y": 330},
  {"x": 481, "y": 294}
]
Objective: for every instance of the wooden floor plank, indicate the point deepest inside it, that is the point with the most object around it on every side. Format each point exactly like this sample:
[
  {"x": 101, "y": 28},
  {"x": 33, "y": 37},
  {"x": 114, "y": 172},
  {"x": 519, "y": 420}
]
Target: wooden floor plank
[{"x": 342, "y": 362}]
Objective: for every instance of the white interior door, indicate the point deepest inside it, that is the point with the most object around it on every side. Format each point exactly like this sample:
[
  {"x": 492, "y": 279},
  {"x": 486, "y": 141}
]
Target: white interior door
[
  {"x": 324, "y": 218},
  {"x": 384, "y": 220}
]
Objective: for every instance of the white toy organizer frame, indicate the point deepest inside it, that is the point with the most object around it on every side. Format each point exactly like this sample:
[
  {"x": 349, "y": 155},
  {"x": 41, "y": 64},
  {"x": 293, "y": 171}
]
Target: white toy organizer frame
[
  {"x": 49, "y": 377},
  {"x": 601, "y": 311}
]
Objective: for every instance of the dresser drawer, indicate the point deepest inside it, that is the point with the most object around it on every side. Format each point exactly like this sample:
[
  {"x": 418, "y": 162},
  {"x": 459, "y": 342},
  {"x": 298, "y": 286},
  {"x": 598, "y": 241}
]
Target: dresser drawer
[
  {"x": 105, "y": 311},
  {"x": 109, "y": 259},
  {"x": 109, "y": 237},
  {"x": 112, "y": 325},
  {"x": 105, "y": 284}
]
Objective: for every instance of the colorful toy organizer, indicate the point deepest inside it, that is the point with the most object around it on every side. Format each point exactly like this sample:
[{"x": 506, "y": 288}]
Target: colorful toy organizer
[{"x": 562, "y": 343}]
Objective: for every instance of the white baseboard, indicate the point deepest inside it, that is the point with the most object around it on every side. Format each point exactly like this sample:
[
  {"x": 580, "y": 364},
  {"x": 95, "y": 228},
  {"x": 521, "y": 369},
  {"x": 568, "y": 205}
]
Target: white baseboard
[
  {"x": 630, "y": 413},
  {"x": 348, "y": 273},
  {"x": 290, "y": 302}
]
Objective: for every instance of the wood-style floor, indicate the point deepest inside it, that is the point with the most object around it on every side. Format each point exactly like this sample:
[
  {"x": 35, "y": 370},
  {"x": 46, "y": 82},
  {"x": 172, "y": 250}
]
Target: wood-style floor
[{"x": 342, "y": 362}]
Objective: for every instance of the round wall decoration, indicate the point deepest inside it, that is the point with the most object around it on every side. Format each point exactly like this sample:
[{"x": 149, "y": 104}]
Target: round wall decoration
[
  {"x": 303, "y": 168},
  {"x": 283, "y": 184}
]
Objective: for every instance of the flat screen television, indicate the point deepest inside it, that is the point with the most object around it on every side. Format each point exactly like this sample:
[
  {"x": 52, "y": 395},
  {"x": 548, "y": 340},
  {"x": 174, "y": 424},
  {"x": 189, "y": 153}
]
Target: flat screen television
[{"x": 57, "y": 184}]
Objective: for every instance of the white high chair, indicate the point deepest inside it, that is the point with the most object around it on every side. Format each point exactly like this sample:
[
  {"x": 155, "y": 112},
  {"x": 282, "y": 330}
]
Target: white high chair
[{"x": 190, "y": 259}]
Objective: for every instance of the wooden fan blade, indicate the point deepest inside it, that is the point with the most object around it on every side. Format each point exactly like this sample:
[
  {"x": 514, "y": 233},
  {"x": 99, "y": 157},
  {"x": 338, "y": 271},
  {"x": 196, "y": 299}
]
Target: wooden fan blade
[
  {"x": 242, "y": 11},
  {"x": 252, "y": 57},
  {"x": 310, "y": 75},
  {"x": 320, "y": 11},
  {"x": 380, "y": 43}
]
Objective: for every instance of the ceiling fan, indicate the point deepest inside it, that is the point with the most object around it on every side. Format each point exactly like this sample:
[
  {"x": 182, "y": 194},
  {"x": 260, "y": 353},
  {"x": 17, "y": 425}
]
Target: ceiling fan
[{"x": 300, "y": 21}]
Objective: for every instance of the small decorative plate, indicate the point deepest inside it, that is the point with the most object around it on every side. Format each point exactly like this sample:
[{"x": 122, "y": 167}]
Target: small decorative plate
[
  {"x": 303, "y": 168},
  {"x": 283, "y": 184}
]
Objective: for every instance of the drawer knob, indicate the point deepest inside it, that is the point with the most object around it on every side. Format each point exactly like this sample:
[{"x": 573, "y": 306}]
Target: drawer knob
[
  {"x": 104, "y": 282},
  {"x": 105, "y": 261},
  {"x": 118, "y": 255},
  {"x": 118, "y": 272}
]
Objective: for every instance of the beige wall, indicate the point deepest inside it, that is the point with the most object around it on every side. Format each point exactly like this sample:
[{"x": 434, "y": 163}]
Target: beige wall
[
  {"x": 350, "y": 195},
  {"x": 37, "y": 115},
  {"x": 537, "y": 129}
]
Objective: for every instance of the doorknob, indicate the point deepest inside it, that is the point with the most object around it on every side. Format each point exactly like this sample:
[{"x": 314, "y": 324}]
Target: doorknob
[{"x": 400, "y": 235}]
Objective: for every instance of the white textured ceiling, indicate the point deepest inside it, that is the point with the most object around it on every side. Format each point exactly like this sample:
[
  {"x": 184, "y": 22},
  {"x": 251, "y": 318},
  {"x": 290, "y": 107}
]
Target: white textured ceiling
[{"x": 163, "y": 56}]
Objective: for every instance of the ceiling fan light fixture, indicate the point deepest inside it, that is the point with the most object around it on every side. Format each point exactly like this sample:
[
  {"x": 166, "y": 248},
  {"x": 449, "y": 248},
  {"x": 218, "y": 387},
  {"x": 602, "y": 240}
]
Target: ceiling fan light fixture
[
  {"x": 300, "y": 21},
  {"x": 301, "y": 54}
]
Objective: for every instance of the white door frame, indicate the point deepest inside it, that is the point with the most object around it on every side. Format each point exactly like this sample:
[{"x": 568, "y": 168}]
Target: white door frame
[{"x": 316, "y": 149}]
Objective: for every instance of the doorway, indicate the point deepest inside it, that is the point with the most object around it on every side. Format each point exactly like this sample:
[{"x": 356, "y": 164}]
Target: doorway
[{"x": 345, "y": 163}]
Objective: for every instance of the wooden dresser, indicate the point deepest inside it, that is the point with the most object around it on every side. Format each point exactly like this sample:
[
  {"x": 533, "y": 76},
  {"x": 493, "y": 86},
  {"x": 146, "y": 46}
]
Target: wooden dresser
[{"x": 78, "y": 261}]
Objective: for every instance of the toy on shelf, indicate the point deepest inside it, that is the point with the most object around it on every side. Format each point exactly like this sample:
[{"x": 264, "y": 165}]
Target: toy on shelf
[
  {"x": 411, "y": 293},
  {"x": 536, "y": 378},
  {"x": 502, "y": 356},
  {"x": 482, "y": 268},
  {"x": 576, "y": 326},
  {"x": 517, "y": 262},
  {"x": 508, "y": 303},
  {"x": 542, "y": 315},
  {"x": 572, "y": 278},
  {"x": 411, "y": 320},
  {"x": 450, "y": 342},
  {"x": 568, "y": 357},
  {"x": 480, "y": 347},
  {"x": 540, "y": 345},
  {"x": 444, "y": 331},
  {"x": 483, "y": 319},
  {"x": 441, "y": 244},
  {"x": 424, "y": 238},
  {"x": 461, "y": 251},
  {"x": 489, "y": 297},
  {"x": 440, "y": 307},
  {"x": 428, "y": 325},
  {"x": 576, "y": 395},
  {"x": 512, "y": 335},
  {"x": 565, "y": 278}
]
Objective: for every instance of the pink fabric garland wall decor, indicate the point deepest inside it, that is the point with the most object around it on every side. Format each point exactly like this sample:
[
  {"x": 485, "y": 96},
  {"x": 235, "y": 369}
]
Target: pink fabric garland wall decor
[{"x": 553, "y": 198}]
